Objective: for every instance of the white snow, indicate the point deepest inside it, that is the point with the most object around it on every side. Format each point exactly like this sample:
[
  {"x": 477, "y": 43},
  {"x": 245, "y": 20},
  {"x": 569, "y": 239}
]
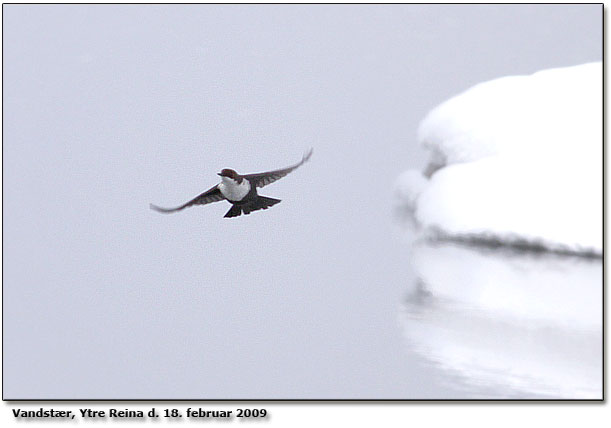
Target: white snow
[{"x": 516, "y": 159}]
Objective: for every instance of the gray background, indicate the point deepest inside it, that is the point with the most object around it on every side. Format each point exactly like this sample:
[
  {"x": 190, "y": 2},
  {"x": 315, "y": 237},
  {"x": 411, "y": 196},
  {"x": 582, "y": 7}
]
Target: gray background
[{"x": 109, "y": 108}]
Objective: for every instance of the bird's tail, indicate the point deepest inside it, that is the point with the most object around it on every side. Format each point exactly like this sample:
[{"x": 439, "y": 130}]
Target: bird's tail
[
  {"x": 234, "y": 211},
  {"x": 261, "y": 203}
]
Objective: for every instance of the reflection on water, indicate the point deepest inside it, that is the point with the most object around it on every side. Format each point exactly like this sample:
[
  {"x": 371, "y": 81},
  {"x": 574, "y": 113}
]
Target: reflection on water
[{"x": 520, "y": 324}]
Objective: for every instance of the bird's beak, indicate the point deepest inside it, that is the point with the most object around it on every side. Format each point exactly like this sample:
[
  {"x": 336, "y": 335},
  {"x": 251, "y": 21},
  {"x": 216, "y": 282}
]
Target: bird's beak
[{"x": 218, "y": 173}]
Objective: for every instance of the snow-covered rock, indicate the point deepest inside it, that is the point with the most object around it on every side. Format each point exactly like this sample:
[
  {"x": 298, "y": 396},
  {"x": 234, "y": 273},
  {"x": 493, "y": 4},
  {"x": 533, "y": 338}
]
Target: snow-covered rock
[{"x": 516, "y": 160}]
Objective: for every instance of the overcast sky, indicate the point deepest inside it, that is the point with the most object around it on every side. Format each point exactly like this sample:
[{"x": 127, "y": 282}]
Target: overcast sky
[{"x": 110, "y": 108}]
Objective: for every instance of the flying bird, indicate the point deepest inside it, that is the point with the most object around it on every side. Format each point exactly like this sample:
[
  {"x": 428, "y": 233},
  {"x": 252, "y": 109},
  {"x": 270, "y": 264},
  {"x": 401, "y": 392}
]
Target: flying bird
[{"x": 240, "y": 190}]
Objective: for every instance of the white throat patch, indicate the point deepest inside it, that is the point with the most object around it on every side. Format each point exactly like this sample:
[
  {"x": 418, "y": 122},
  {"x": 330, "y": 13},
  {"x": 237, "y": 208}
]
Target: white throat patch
[{"x": 232, "y": 190}]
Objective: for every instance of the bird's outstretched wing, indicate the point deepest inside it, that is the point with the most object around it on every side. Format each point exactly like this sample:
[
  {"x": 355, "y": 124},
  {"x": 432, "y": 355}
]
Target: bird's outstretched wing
[
  {"x": 264, "y": 178},
  {"x": 210, "y": 195}
]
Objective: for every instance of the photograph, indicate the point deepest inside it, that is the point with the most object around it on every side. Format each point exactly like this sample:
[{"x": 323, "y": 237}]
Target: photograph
[{"x": 302, "y": 202}]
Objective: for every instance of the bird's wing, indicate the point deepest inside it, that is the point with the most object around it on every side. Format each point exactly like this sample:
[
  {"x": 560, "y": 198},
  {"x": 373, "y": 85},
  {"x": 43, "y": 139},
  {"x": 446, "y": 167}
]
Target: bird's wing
[
  {"x": 210, "y": 195},
  {"x": 264, "y": 178}
]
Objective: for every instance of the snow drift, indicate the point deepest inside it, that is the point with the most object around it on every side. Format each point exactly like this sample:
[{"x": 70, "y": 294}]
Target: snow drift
[{"x": 517, "y": 160}]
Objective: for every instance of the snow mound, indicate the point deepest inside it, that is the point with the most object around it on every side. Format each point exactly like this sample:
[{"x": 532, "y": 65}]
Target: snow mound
[{"x": 515, "y": 160}]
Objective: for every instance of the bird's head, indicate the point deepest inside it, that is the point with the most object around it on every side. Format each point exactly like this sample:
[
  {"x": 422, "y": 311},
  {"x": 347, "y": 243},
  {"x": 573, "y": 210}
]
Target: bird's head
[{"x": 230, "y": 173}]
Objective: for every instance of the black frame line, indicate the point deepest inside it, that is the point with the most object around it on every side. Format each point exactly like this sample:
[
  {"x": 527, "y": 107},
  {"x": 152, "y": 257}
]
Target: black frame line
[{"x": 339, "y": 400}]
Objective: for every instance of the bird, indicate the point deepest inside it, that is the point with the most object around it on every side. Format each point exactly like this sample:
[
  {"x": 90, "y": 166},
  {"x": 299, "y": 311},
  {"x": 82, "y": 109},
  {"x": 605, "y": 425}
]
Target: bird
[{"x": 240, "y": 191}]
